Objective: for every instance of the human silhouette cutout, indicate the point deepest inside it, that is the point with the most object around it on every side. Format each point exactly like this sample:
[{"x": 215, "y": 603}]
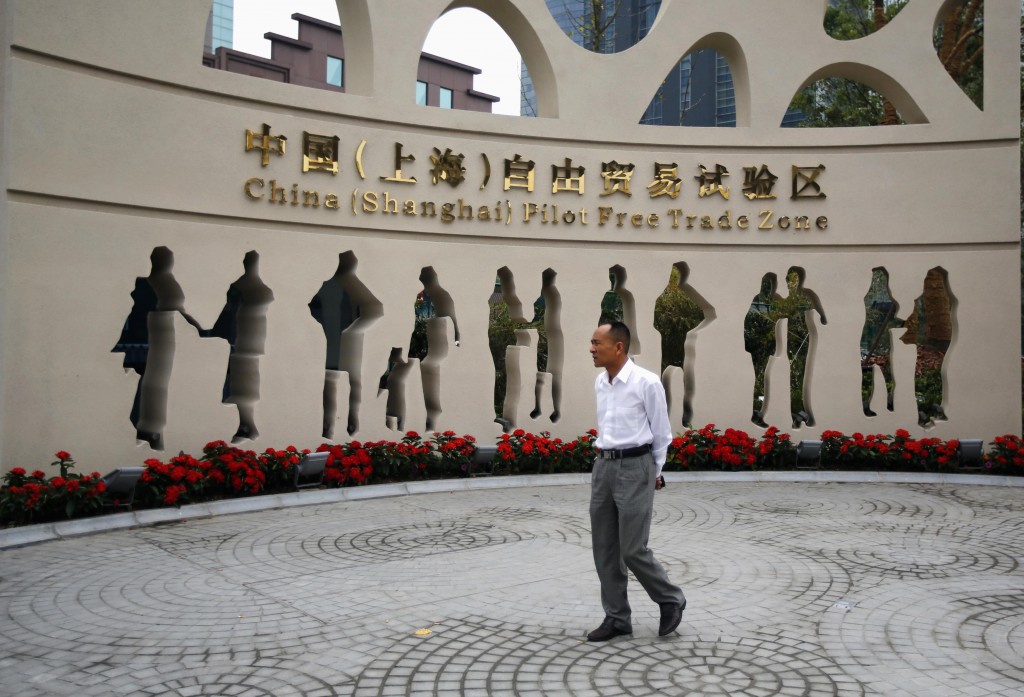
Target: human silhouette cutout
[
  {"x": 759, "y": 339},
  {"x": 243, "y": 324},
  {"x": 431, "y": 302},
  {"x": 799, "y": 339},
  {"x": 618, "y": 305},
  {"x": 880, "y": 310},
  {"x": 342, "y": 306},
  {"x": 677, "y": 311},
  {"x": 501, "y": 333},
  {"x": 930, "y": 327},
  {"x": 550, "y": 350},
  {"x": 147, "y": 341}
]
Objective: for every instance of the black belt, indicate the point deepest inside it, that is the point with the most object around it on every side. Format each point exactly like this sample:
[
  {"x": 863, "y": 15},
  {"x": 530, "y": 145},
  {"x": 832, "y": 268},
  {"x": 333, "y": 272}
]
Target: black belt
[{"x": 625, "y": 452}]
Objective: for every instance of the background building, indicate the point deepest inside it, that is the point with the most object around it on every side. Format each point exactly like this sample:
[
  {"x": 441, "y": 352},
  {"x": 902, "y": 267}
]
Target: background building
[
  {"x": 317, "y": 59},
  {"x": 698, "y": 91},
  {"x": 220, "y": 26}
]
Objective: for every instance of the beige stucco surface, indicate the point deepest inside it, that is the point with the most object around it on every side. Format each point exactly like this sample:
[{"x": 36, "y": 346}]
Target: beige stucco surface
[{"x": 117, "y": 140}]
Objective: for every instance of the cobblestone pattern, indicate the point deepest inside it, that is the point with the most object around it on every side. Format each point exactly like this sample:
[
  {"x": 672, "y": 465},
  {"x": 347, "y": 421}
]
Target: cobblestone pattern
[{"x": 840, "y": 590}]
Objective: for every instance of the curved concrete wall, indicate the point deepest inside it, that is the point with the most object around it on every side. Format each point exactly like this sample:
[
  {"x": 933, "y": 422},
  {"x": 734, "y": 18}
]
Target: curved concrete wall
[{"x": 117, "y": 141}]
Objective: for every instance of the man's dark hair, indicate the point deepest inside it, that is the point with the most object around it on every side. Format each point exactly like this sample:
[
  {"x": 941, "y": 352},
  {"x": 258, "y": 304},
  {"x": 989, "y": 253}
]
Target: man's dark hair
[{"x": 619, "y": 332}]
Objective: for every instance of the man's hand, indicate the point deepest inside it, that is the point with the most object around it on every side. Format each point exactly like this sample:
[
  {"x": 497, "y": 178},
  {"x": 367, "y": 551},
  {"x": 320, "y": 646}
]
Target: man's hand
[{"x": 659, "y": 483}]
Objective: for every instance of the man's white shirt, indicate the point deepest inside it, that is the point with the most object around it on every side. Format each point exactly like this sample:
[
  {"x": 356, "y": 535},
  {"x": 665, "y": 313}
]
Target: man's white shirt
[{"x": 632, "y": 411}]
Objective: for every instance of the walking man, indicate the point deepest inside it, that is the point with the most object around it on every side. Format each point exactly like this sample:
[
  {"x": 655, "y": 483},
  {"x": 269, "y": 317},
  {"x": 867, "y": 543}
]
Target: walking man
[{"x": 633, "y": 437}]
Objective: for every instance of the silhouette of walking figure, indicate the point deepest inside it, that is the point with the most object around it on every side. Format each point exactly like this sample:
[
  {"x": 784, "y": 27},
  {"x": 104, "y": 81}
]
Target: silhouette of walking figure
[
  {"x": 341, "y": 302},
  {"x": 796, "y": 305},
  {"x": 550, "y": 351},
  {"x": 677, "y": 311},
  {"x": 148, "y": 344},
  {"x": 243, "y": 324},
  {"x": 501, "y": 333},
  {"x": 930, "y": 327},
  {"x": 431, "y": 302},
  {"x": 759, "y": 339},
  {"x": 880, "y": 310}
]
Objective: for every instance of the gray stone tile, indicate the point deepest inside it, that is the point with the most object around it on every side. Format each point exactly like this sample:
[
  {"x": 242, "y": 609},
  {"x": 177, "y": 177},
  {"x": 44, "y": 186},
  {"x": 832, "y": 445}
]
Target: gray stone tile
[{"x": 867, "y": 587}]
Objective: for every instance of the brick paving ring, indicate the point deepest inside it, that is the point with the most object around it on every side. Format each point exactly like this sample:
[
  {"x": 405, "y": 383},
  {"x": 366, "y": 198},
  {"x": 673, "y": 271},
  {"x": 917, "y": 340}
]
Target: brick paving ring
[{"x": 461, "y": 657}]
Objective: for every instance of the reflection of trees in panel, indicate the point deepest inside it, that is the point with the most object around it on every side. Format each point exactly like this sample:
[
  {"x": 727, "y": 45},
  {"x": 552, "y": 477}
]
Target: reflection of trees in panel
[
  {"x": 677, "y": 311},
  {"x": 611, "y": 304},
  {"x": 546, "y": 320},
  {"x": 930, "y": 327},
  {"x": 880, "y": 310},
  {"x": 794, "y": 308},
  {"x": 501, "y": 333},
  {"x": 759, "y": 340},
  {"x": 617, "y": 305},
  {"x": 505, "y": 320}
]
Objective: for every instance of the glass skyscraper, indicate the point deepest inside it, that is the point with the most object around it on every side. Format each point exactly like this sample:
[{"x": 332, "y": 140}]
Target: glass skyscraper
[
  {"x": 220, "y": 25},
  {"x": 698, "y": 91}
]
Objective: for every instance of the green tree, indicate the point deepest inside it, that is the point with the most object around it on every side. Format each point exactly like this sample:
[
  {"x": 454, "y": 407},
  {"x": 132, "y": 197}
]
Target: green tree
[
  {"x": 594, "y": 26},
  {"x": 837, "y": 101},
  {"x": 675, "y": 314},
  {"x": 959, "y": 43}
]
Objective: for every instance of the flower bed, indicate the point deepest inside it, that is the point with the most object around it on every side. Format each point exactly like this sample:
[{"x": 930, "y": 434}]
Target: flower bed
[{"x": 224, "y": 471}]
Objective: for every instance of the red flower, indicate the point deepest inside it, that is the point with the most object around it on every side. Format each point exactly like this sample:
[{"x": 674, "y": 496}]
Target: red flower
[
  {"x": 173, "y": 493},
  {"x": 62, "y": 455},
  {"x": 18, "y": 472}
]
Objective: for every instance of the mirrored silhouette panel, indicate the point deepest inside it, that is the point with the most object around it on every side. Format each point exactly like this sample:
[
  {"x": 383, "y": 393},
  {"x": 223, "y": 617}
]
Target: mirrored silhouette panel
[
  {"x": 345, "y": 308},
  {"x": 930, "y": 327}
]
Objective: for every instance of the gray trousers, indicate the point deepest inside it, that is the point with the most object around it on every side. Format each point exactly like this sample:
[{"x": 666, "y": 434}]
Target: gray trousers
[{"x": 621, "y": 503}]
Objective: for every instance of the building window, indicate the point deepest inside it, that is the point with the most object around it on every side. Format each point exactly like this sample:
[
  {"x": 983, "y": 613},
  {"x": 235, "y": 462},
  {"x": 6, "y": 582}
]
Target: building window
[
  {"x": 421, "y": 93},
  {"x": 446, "y": 98},
  {"x": 725, "y": 97},
  {"x": 222, "y": 23},
  {"x": 685, "y": 84},
  {"x": 335, "y": 71},
  {"x": 654, "y": 114}
]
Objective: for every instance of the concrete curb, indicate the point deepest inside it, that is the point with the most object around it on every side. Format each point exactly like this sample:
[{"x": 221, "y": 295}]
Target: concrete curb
[{"x": 33, "y": 534}]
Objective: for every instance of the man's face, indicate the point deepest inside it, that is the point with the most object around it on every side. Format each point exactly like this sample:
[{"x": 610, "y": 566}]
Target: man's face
[{"x": 603, "y": 349}]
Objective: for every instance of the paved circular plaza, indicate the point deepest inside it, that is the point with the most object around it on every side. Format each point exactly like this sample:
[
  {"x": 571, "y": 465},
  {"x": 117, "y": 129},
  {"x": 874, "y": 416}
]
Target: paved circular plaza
[{"x": 811, "y": 588}]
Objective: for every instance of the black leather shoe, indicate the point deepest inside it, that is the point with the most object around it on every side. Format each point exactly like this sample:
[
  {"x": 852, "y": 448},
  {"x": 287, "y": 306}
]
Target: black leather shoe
[
  {"x": 671, "y": 616},
  {"x": 607, "y": 631}
]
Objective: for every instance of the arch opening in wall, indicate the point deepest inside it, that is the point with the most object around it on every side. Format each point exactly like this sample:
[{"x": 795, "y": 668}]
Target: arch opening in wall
[
  {"x": 706, "y": 87},
  {"x": 847, "y": 20},
  {"x": 605, "y": 27},
  {"x": 469, "y": 62},
  {"x": 837, "y": 101},
  {"x": 273, "y": 41},
  {"x": 959, "y": 40}
]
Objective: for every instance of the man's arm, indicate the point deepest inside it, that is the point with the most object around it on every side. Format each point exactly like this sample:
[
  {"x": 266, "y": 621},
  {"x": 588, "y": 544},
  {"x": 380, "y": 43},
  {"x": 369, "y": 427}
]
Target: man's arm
[{"x": 657, "y": 416}]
